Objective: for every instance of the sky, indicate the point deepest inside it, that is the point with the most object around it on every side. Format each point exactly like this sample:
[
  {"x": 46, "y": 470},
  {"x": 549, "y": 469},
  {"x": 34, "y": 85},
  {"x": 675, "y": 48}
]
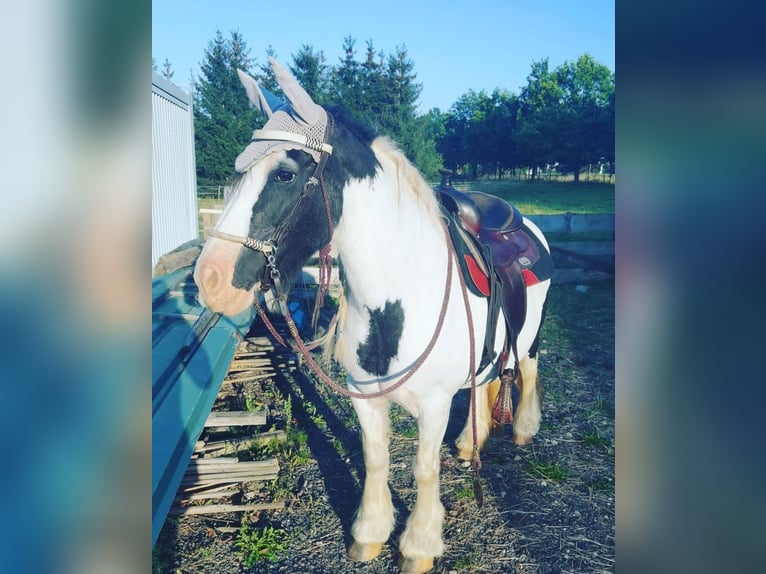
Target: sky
[{"x": 456, "y": 46}]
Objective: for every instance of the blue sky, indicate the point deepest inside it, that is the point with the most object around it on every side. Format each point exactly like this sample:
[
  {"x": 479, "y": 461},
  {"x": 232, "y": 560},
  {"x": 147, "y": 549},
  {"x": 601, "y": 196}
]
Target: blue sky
[{"x": 456, "y": 45}]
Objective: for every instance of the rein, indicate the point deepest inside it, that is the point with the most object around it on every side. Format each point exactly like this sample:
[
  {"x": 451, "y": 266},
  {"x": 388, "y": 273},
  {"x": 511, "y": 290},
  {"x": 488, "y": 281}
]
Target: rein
[{"x": 304, "y": 350}]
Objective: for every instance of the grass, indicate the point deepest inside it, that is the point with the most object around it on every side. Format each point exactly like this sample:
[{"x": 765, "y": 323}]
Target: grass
[
  {"x": 465, "y": 492},
  {"x": 468, "y": 563},
  {"x": 260, "y": 545},
  {"x": 547, "y": 470},
  {"x": 207, "y": 203},
  {"x": 578, "y": 321},
  {"x": 594, "y": 439},
  {"x": 548, "y": 197}
]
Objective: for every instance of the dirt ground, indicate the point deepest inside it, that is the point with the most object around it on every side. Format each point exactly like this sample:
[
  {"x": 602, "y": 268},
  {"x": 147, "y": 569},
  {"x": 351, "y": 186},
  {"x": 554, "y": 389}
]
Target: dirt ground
[{"x": 548, "y": 507}]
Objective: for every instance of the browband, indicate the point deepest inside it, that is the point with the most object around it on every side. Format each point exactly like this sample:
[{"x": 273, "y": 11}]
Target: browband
[{"x": 311, "y": 143}]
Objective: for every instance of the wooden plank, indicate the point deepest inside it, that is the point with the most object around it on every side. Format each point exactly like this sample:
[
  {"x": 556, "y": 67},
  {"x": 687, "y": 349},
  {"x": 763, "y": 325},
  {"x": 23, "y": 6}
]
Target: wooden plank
[
  {"x": 218, "y": 508},
  {"x": 578, "y": 275},
  {"x": 249, "y": 476},
  {"x": 209, "y": 486},
  {"x": 593, "y": 248},
  {"x": 573, "y": 222},
  {"x": 251, "y": 364},
  {"x": 213, "y": 465},
  {"x": 205, "y": 473},
  {"x": 235, "y": 418},
  {"x": 232, "y": 489},
  {"x": 232, "y": 446},
  {"x": 253, "y": 377},
  {"x": 261, "y": 342}
]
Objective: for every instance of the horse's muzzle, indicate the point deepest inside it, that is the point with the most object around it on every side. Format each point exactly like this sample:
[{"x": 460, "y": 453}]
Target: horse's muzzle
[{"x": 213, "y": 275}]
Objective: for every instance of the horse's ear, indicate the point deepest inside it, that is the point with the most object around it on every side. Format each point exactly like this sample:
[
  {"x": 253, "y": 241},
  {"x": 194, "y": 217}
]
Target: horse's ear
[
  {"x": 299, "y": 99},
  {"x": 254, "y": 93}
]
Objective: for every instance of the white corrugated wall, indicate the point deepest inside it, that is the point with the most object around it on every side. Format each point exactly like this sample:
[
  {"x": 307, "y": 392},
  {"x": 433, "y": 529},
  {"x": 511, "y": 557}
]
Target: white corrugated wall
[{"x": 174, "y": 178}]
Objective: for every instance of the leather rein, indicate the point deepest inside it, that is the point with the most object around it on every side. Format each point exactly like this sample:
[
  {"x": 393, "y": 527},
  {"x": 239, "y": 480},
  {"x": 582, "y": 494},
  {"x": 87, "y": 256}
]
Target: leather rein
[{"x": 272, "y": 281}]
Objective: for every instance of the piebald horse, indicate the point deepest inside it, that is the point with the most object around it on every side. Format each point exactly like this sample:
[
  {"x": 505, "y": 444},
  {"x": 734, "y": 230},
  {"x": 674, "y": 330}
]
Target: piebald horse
[{"x": 311, "y": 179}]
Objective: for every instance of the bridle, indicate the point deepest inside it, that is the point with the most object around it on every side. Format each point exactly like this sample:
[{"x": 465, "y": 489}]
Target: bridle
[
  {"x": 272, "y": 281},
  {"x": 268, "y": 247}
]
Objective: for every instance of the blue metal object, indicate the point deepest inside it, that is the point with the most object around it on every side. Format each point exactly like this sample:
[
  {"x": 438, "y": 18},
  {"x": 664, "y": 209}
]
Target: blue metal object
[{"x": 192, "y": 349}]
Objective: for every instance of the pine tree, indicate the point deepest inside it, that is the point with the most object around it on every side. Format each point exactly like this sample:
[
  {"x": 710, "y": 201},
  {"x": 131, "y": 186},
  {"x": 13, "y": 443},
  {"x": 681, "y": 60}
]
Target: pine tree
[
  {"x": 345, "y": 89},
  {"x": 311, "y": 71},
  {"x": 167, "y": 69},
  {"x": 224, "y": 119}
]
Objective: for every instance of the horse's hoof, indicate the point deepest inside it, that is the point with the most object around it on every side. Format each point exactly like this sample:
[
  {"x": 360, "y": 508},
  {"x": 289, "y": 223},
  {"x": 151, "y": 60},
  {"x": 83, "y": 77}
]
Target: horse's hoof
[
  {"x": 521, "y": 440},
  {"x": 364, "y": 552},
  {"x": 464, "y": 455},
  {"x": 415, "y": 565}
]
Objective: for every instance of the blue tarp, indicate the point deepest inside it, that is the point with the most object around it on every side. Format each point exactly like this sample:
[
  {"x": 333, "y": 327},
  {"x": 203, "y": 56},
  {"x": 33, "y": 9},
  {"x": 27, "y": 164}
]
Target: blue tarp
[{"x": 192, "y": 349}]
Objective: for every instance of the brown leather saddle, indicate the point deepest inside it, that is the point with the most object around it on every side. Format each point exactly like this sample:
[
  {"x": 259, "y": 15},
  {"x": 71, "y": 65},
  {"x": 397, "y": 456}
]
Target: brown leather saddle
[{"x": 499, "y": 254}]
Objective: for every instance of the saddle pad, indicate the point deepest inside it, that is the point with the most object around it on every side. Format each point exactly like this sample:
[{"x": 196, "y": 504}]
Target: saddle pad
[
  {"x": 470, "y": 257},
  {"x": 536, "y": 262}
]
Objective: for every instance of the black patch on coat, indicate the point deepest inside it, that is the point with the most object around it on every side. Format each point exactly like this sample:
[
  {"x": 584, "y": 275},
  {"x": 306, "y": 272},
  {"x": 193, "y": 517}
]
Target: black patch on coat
[
  {"x": 382, "y": 343},
  {"x": 352, "y": 158}
]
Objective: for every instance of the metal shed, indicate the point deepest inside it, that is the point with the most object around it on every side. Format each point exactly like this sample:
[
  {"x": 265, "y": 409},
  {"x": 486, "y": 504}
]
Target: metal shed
[{"x": 174, "y": 178}]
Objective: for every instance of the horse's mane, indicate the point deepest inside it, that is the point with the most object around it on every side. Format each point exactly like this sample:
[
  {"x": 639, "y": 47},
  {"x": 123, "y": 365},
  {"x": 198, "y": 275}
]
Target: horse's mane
[
  {"x": 363, "y": 131},
  {"x": 410, "y": 179}
]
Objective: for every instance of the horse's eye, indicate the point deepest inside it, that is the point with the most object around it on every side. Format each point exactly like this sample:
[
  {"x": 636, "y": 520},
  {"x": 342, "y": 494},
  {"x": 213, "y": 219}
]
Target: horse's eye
[{"x": 284, "y": 176}]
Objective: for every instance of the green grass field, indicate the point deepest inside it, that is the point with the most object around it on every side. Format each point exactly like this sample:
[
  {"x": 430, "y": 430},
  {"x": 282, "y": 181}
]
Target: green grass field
[{"x": 548, "y": 197}]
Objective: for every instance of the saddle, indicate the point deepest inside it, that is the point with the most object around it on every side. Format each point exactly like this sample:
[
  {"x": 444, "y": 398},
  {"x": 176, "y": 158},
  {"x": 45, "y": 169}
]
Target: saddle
[{"x": 501, "y": 257}]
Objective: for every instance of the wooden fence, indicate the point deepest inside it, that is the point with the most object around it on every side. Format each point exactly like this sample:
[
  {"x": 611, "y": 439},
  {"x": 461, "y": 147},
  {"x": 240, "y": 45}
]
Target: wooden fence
[{"x": 593, "y": 258}]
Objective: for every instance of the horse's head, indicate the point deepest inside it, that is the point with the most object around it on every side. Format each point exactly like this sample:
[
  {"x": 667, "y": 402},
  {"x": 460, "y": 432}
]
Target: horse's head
[{"x": 285, "y": 204}]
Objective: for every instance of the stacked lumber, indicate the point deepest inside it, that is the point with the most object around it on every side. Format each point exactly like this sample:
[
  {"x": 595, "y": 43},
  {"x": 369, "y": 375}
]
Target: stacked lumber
[
  {"x": 215, "y": 478},
  {"x": 215, "y": 472},
  {"x": 263, "y": 362}
]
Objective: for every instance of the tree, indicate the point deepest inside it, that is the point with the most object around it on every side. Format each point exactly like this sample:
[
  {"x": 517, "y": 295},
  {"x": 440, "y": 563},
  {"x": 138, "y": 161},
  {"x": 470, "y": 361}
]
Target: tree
[
  {"x": 429, "y": 127},
  {"x": 224, "y": 119},
  {"x": 496, "y": 142},
  {"x": 265, "y": 75},
  {"x": 586, "y": 117},
  {"x": 383, "y": 92},
  {"x": 567, "y": 115},
  {"x": 167, "y": 69},
  {"x": 540, "y": 108},
  {"x": 454, "y": 146},
  {"x": 374, "y": 105},
  {"x": 346, "y": 84},
  {"x": 311, "y": 71}
]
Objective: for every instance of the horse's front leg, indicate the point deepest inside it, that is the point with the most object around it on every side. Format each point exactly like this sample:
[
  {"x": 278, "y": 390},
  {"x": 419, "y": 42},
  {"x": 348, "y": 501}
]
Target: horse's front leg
[
  {"x": 421, "y": 541},
  {"x": 375, "y": 517}
]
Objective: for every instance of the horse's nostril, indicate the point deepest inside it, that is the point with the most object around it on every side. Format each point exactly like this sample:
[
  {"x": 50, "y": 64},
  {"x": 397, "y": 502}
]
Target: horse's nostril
[{"x": 211, "y": 279}]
